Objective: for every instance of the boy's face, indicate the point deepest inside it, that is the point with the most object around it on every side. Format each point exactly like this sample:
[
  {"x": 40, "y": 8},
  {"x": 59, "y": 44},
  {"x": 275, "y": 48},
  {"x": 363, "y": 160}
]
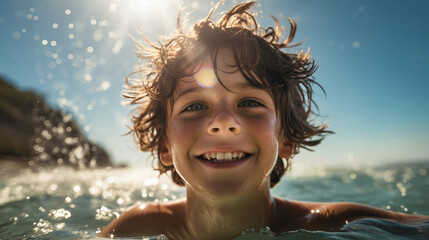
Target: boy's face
[{"x": 206, "y": 120}]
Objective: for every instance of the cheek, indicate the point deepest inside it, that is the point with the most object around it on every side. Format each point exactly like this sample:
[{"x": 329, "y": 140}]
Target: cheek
[
  {"x": 183, "y": 130},
  {"x": 182, "y": 134},
  {"x": 263, "y": 129},
  {"x": 263, "y": 125}
]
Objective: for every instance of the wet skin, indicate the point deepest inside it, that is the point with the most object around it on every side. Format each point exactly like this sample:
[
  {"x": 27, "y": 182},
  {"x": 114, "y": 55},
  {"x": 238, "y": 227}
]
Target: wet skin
[{"x": 225, "y": 199}]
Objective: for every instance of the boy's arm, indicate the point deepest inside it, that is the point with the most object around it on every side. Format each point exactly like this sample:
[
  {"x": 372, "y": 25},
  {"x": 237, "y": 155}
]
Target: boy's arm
[
  {"x": 335, "y": 215},
  {"x": 137, "y": 221}
]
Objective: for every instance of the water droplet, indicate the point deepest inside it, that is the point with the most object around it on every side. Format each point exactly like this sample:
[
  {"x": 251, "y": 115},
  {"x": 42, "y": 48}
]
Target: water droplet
[
  {"x": 88, "y": 77},
  {"x": 103, "y": 23},
  {"x": 55, "y": 25},
  {"x": 113, "y": 7},
  {"x": 150, "y": 182},
  {"x": 110, "y": 179},
  {"x": 53, "y": 187},
  {"x": 76, "y": 188},
  {"x": 248, "y": 231},
  {"x": 98, "y": 35},
  {"x": 90, "y": 49},
  {"x": 52, "y": 65},
  {"x": 60, "y": 225},
  {"x": 266, "y": 230},
  {"x": 103, "y": 213},
  {"x": 67, "y": 12},
  {"x": 93, "y": 21},
  {"x": 104, "y": 86},
  {"x": 117, "y": 47},
  {"x": 112, "y": 35},
  {"x": 44, "y": 42},
  {"x": 35, "y": 18},
  {"x": 162, "y": 237},
  {"x": 16, "y": 35},
  {"x": 53, "y": 43},
  {"x": 71, "y": 36},
  {"x": 59, "y": 214}
]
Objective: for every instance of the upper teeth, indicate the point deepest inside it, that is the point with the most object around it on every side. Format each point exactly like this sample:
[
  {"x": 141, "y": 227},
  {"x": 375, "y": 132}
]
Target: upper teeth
[{"x": 223, "y": 156}]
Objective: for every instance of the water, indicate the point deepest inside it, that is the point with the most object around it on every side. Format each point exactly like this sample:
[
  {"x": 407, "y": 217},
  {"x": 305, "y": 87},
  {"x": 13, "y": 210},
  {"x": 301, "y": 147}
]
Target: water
[{"x": 63, "y": 203}]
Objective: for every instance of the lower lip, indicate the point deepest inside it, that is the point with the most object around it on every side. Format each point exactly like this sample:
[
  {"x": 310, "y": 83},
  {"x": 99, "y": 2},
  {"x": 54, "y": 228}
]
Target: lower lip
[{"x": 229, "y": 164}]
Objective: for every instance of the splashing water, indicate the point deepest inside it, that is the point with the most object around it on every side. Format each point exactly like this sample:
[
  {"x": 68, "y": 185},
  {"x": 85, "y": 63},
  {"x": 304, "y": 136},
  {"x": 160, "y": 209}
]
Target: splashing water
[{"x": 63, "y": 203}]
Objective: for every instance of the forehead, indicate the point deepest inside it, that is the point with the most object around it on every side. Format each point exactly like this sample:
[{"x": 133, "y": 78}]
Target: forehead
[{"x": 219, "y": 68}]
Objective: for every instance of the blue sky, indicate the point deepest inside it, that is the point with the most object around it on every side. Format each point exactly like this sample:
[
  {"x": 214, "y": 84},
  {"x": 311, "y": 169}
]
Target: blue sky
[{"x": 372, "y": 56}]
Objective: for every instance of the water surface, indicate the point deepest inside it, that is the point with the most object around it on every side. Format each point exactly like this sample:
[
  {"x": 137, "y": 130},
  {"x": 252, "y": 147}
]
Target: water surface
[{"x": 62, "y": 203}]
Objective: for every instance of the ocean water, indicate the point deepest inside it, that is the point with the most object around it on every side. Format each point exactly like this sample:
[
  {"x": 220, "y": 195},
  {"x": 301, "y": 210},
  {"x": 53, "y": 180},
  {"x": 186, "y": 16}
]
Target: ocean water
[{"x": 62, "y": 203}]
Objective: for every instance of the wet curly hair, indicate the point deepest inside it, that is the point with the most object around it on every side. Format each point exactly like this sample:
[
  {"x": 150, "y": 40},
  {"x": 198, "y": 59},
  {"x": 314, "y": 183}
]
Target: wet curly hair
[{"x": 258, "y": 54}]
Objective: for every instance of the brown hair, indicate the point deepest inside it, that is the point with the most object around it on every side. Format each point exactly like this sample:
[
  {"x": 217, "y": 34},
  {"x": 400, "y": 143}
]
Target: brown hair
[{"x": 286, "y": 76}]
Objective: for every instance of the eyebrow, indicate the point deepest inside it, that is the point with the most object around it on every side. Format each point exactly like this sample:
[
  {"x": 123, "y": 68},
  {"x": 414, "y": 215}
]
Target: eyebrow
[
  {"x": 187, "y": 91},
  {"x": 238, "y": 87}
]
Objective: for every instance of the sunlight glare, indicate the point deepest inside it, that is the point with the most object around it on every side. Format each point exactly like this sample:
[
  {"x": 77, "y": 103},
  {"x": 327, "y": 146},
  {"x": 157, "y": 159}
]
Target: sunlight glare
[
  {"x": 205, "y": 76},
  {"x": 146, "y": 13}
]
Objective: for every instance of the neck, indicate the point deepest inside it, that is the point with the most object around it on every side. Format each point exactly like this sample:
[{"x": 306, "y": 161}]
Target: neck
[{"x": 226, "y": 217}]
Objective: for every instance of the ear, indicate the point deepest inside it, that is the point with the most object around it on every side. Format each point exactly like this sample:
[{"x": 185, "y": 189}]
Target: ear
[
  {"x": 286, "y": 148},
  {"x": 165, "y": 155}
]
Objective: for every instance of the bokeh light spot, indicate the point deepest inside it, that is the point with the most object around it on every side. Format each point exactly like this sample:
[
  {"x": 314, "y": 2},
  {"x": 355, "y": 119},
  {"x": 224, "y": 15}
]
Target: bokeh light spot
[
  {"x": 113, "y": 7},
  {"x": 205, "y": 77}
]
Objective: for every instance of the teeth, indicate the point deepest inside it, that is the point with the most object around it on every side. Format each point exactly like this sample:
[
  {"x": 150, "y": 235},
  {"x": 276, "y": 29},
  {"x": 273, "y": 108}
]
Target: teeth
[{"x": 219, "y": 157}]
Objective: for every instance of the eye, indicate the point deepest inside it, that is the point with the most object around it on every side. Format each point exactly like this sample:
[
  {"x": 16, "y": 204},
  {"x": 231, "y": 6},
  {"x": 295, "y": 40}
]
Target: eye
[
  {"x": 250, "y": 103},
  {"x": 194, "y": 107}
]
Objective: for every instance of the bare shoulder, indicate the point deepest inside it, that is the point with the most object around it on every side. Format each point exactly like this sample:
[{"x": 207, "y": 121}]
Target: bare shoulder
[
  {"x": 331, "y": 216},
  {"x": 146, "y": 219},
  {"x": 350, "y": 211}
]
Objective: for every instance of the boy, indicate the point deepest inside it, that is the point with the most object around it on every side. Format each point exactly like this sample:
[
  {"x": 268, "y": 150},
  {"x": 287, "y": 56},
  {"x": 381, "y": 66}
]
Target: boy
[{"x": 223, "y": 109}]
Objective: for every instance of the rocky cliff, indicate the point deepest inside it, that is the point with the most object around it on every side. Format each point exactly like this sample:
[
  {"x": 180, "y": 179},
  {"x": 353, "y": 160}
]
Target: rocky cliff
[{"x": 35, "y": 134}]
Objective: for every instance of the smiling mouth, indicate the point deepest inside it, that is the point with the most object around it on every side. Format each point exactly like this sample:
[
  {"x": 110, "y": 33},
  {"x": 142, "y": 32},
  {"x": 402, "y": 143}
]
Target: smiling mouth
[{"x": 223, "y": 157}]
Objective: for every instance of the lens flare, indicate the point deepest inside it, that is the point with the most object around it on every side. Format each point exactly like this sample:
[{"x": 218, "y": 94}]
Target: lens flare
[{"x": 206, "y": 77}]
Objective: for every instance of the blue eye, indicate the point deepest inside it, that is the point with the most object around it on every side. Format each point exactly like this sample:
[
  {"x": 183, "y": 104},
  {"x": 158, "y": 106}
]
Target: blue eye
[
  {"x": 250, "y": 103},
  {"x": 194, "y": 107}
]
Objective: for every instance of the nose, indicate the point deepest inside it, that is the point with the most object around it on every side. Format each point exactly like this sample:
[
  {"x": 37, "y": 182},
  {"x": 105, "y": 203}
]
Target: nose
[{"x": 224, "y": 123}]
